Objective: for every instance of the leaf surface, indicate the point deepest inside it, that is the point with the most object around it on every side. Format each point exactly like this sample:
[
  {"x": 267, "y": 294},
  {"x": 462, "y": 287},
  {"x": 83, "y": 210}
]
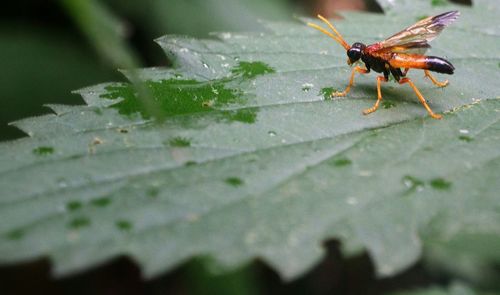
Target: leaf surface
[{"x": 250, "y": 160}]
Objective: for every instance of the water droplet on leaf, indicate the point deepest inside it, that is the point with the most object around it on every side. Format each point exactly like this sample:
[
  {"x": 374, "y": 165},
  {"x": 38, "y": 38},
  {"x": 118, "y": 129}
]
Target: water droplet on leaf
[
  {"x": 307, "y": 86},
  {"x": 352, "y": 201},
  {"x": 413, "y": 183}
]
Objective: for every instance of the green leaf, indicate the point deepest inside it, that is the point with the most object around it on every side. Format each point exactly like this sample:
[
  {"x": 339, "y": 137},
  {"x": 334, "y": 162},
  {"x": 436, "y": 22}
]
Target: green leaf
[{"x": 250, "y": 160}]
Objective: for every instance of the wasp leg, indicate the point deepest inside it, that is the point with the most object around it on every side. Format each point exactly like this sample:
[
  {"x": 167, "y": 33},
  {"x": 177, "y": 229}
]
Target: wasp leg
[
  {"x": 436, "y": 82},
  {"x": 379, "y": 96},
  {"x": 420, "y": 97},
  {"x": 405, "y": 71},
  {"x": 351, "y": 81}
]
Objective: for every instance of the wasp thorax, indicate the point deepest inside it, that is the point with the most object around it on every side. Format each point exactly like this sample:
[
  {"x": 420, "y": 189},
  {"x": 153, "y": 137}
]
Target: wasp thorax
[{"x": 354, "y": 53}]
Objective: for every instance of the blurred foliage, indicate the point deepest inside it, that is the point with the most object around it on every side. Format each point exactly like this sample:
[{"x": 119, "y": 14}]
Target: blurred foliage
[
  {"x": 81, "y": 42},
  {"x": 200, "y": 17},
  {"x": 103, "y": 30},
  {"x": 39, "y": 66}
]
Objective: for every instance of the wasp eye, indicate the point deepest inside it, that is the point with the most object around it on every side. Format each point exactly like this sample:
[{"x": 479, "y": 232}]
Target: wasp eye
[{"x": 354, "y": 54}]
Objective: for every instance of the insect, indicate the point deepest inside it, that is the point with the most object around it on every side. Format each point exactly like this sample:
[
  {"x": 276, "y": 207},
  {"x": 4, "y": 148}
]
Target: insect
[{"x": 396, "y": 55}]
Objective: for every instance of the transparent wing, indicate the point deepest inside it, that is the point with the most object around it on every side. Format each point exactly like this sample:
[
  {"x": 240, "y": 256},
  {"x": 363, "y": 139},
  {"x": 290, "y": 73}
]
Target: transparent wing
[
  {"x": 415, "y": 38},
  {"x": 408, "y": 48}
]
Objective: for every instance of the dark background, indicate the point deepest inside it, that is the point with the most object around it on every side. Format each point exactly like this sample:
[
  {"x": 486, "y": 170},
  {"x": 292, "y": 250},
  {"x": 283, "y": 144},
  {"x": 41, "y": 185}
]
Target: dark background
[{"x": 334, "y": 275}]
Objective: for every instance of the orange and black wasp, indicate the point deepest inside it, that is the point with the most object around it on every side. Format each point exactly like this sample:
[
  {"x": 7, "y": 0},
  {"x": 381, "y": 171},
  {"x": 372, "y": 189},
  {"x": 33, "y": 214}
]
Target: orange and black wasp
[{"x": 398, "y": 54}]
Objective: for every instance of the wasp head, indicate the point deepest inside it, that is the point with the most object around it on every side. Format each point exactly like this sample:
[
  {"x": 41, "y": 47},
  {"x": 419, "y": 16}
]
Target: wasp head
[{"x": 355, "y": 52}]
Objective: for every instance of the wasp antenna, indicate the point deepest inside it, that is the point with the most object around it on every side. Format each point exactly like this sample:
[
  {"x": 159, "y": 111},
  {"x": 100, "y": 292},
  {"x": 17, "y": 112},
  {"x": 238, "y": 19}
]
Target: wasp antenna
[
  {"x": 339, "y": 36},
  {"x": 340, "y": 41}
]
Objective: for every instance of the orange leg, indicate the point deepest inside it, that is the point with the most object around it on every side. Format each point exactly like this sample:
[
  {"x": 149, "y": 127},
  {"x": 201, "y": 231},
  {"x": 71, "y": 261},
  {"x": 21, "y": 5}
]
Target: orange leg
[
  {"x": 379, "y": 96},
  {"x": 420, "y": 97},
  {"x": 351, "y": 81},
  {"x": 436, "y": 82}
]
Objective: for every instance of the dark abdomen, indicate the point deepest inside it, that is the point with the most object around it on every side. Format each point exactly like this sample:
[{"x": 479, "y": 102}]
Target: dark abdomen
[
  {"x": 440, "y": 65},
  {"x": 415, "y": 61}
]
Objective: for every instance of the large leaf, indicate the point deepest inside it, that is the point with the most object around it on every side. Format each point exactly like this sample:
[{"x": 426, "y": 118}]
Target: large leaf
[{"x": 250, "y": 160}]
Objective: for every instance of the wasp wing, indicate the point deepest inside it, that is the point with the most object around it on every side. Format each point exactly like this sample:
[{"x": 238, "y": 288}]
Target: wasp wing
[
  {"x": 416, "y": 38},
  {"x": 417, "y": 47}
]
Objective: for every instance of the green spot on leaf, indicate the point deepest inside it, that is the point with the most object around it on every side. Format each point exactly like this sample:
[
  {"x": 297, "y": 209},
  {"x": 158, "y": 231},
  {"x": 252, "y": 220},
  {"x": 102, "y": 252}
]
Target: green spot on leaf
[
  {"x": 179, "y": 142},
  {"x": 465, "y": 138},
  {"x": 43, "y": 150},
  {"x": 16, "y": 234},
  {"x": 252, "y": 69},
  {"x": 386, "y": 104},
  {"x": 190, "y": 163},
  {"x": 440, "y": 184},
  {"x": 234, "y": 181},
  {"x": 175, "y": 97},
  {"x": 73, "y": 205},
  {"x": 123, "y": 225},
  {"x": 327, "y": 92},
  {"x": 101, "y": 202},
  {"x": 243, "y": 115},
  {"x": 79, "y": 222},
  {"x": 341, "y": 162},
  {"x": 153, "y": 192},
  {"x": 439, "y": 2}
]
